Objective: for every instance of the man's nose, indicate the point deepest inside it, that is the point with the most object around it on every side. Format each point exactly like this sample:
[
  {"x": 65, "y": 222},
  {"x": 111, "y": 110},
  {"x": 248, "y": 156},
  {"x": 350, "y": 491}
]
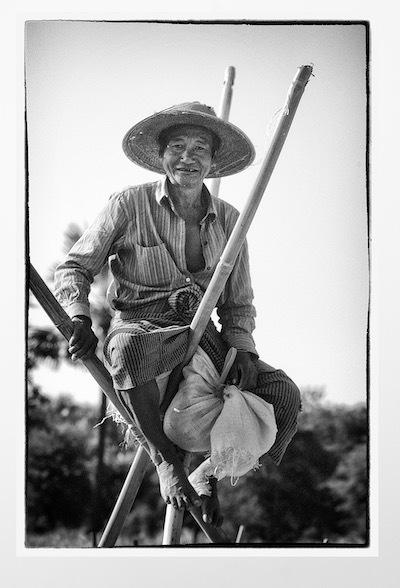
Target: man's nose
[{"x": 187, "y": 154}]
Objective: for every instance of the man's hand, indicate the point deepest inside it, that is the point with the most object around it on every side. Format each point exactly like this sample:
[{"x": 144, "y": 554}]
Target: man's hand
[
  {"x": 83, "y": 341},
  {"x": 243, "y": 373}
]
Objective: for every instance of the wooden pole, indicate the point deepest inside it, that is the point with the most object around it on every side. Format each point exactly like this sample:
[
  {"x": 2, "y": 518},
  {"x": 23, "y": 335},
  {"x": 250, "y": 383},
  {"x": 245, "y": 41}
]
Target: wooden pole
[
  {"x": 65, "y": 325},
  {"x": 125, "y": 499},
  {"x": 136, "y": 473},
  {"x": 239, "y": 534},
  {"x": 237, "y": 238},
  {"x": 174, "y": 518},
  {"x": 223, "y": 113}
]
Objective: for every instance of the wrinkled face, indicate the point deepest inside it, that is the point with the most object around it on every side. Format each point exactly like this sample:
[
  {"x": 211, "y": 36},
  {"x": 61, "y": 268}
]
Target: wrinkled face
[{"x": 187, "y": 157}]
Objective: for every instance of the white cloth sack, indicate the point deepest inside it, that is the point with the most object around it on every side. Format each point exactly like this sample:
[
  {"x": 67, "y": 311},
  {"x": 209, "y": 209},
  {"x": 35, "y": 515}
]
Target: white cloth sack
[
  {"x": 244, "y": 431},
  {"x": 236, "y": 429},
  {"x": 194, "y": 408}
]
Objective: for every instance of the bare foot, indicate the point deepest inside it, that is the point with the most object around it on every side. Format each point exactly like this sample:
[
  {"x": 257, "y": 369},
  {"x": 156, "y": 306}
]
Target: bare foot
[
  {"x": 210, "y": 506},
  {"x": 174, "y": 486},
  {"x": 205, "y": 484}
]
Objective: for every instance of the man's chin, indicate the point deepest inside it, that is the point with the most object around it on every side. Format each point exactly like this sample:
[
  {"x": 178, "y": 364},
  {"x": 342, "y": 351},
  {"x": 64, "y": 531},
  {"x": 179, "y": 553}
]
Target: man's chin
[{"x": 188, "y": 179}]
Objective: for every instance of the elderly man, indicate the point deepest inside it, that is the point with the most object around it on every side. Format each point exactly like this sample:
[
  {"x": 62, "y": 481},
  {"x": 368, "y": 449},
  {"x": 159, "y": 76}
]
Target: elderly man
[{"x": 163, "y": 241}]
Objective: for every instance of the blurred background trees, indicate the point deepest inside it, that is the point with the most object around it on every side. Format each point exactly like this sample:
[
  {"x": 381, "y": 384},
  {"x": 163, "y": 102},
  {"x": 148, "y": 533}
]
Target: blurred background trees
[
  {"x": 48, "y": 344},
  {"x": 75, "y": 469},
  {"x": 318, "y": 495}
]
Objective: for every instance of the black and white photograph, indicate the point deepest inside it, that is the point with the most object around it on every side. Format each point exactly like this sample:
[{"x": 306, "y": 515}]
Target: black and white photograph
[
  {"x": 198, "y": 249},
  {"x": 200, "y": 341}
]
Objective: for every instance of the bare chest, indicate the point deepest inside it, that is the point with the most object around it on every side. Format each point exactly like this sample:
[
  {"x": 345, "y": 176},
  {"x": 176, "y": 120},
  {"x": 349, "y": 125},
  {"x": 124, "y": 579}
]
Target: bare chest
[
  {"x": 193, "y": 248},
  {"x": 192, "y": 216}
]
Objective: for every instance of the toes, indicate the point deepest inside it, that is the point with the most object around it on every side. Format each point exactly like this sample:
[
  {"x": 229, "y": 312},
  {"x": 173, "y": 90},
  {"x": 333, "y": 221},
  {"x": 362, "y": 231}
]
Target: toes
[
  {"x": 192, "y": 499},
  {"x": 177, "y": 503},
  {"x": 215, "y": 521},
  {"x": 207, "y": 512},
  {"x": 196, "y": 501},
  {"x": 184, "y": 502},
  {"x": 210, "y": 511},
  {"x": 175, "y": 488}
]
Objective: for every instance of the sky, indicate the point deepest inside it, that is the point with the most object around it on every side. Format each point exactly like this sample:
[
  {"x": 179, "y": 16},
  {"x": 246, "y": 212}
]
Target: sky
[{"x": 87, "y": 83}]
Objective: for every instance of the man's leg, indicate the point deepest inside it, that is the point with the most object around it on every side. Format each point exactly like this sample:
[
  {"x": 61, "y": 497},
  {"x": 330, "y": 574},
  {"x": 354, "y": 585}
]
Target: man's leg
[
  {"x": 275, "y": 387},
  {"x": 143, "y": 403}
]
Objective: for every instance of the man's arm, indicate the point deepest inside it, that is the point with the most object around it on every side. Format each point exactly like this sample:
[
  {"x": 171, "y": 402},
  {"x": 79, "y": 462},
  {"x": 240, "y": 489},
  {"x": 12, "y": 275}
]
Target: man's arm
[
  {"x": 235, "y": 306},
  {"x": 237, "y": 314},
  {"x": 75, "y": 275}
]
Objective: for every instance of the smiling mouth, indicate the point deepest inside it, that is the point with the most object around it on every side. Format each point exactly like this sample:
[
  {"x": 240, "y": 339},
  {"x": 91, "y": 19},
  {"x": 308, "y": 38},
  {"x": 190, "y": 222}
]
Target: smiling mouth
[{"x": 189, "y": 170}]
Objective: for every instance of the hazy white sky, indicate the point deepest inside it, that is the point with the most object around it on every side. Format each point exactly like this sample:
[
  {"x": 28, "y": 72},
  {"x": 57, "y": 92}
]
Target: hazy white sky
[{"x": 88, "y": 82}]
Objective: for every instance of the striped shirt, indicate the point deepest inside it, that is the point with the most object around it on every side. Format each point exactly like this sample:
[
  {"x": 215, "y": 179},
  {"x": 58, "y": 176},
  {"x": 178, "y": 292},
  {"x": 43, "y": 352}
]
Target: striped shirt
[{"x": 142, "y": 237}]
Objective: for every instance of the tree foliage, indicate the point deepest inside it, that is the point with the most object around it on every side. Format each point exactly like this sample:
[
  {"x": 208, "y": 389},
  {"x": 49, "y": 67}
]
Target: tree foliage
[
  {"x": 46, "y": 344},
  {"x": 58, "y": 488},
  {"x": 318, "y": 495}
]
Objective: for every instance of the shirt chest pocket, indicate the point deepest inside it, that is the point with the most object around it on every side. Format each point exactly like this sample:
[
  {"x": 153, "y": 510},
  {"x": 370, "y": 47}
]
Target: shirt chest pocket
[{"x": 154, "y": 266}]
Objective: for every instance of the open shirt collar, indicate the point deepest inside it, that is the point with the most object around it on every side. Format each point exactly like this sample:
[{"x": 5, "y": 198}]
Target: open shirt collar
[{"x": 162, "y": 197}]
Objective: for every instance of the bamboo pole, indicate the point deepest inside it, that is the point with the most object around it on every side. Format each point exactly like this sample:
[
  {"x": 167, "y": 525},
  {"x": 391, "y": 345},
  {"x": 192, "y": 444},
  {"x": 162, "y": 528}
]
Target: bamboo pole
[
  {"x": 136, "y": 473},
  {"x": 125, "y": 499},
  {"x": 65, "y": 325},
  {"x": 213, "y": 534},
  {"x": 237, "y": 238},
  {"x": 223, "y": 113},
  {"x": 239, "y": 534},
  {"x": 174, "y": 518}
]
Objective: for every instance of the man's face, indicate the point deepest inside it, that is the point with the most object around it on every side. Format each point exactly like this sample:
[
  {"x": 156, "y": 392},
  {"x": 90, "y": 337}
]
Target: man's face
[{"x": 188, "y": 155}]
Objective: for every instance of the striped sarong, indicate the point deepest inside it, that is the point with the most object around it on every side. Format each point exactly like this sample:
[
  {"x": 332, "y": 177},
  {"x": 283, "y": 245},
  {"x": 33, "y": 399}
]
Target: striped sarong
[
  {"x": 142, "y": 346},
  {"x": 279, "y": 390}
]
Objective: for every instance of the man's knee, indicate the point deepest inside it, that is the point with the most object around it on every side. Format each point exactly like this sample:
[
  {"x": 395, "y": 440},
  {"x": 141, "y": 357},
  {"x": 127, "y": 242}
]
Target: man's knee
[
  {"x": 276, "y": 387},
  {"x": 294, "y": 394}
]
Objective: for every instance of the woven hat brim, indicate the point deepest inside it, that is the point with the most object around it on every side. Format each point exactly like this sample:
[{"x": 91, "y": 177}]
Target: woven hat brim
[{"x": 235, "y": 153}]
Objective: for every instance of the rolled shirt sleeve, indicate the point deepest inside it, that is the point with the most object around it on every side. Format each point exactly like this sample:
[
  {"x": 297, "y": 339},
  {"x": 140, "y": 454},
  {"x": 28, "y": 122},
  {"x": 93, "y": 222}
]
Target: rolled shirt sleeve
[{"x": 73, "y": 277}]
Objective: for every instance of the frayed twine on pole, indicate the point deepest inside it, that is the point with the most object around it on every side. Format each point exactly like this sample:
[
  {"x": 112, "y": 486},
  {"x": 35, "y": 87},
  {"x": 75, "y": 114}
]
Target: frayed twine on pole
[
  {"x": 128, "y": 430},
  {"x": 273, "y": 123}
]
